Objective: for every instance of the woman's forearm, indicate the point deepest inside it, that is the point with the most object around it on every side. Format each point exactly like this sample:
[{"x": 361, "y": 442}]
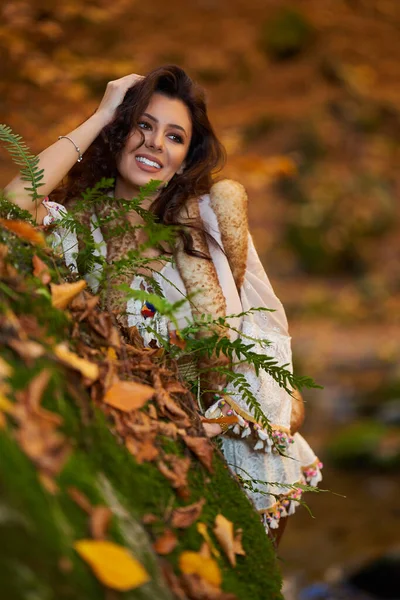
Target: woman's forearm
[{"x": 57, "y": 160}]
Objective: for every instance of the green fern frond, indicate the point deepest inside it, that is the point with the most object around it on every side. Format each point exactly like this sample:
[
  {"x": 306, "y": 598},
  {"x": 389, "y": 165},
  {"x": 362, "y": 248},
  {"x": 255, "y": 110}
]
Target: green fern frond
[{"x": 22, "y": 157}]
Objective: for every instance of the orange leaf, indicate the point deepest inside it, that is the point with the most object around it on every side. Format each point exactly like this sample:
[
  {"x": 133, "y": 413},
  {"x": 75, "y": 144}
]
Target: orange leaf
[
  {"x": 99, "y": 521},
  {"x": 237, "y": 543},
  {"x": 197, "y": 564},
  {"x": 165, "y": 543},
  {"x": 24, "y": 231},
  {"x": 176, "y": 340},
  {"x": 87, "y": 369},
  {"x": 224, "y": 533},
  {"x": 202, "y": 448},
  {"x": 128, "y": 395},
  {"x": 186, "y": 515},
  {"x": 61, "y": 295},
  {"x": 112, "y": 564},
  {"x": 41, "y": 270}
]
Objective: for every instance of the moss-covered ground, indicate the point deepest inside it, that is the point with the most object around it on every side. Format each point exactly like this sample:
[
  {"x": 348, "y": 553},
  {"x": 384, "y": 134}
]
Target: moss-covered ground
[{"x": 38, "y": 526}]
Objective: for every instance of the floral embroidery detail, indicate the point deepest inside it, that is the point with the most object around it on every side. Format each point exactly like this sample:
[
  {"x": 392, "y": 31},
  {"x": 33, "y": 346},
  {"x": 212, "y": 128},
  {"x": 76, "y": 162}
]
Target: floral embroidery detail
[
  {"x": 148, "y": 310},
  {"x": 284, "y": 507},
  {"x": 276, "y": 442},
  {"x": 312, "y": 473}
]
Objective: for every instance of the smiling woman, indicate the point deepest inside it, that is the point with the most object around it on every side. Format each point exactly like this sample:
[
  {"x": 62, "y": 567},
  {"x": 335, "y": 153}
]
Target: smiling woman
[{"x": 157, "y": 128}]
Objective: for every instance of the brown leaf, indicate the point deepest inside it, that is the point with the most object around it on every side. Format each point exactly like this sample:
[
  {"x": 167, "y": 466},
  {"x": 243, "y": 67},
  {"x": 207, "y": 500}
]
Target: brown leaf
[
  {"x": 41, "y": 270},
  {"x": 99, "y": 521},
  {"x": 166, "y": 542},
  {"x": 176, "y": 339},
  {"x": 149, "y": 519},
  {"x": 88, "y": 369},
  {"x": 173, "y": 581},
  {"x": 167, "y": 404},
  {"x": 25, "y": 231},
  {"x": 27, "y": 349},
  {"x": 177, "y": 472},
  {"x": 128, "y": 395},
  {"x": 33, "y": 397},
  {"x": 175, "y": 387},
  {"x": 224, "y": 533},
  {"x": 237, "y": 543},
  {"x": 81, "y": 500},
  {"x": 142, "y": 451},
  {"x": 62, "y": 294},
  {"x": 202, "y": 448},
  {"x": 186, "y": 515},
  {"x": 6, "y": 270}
]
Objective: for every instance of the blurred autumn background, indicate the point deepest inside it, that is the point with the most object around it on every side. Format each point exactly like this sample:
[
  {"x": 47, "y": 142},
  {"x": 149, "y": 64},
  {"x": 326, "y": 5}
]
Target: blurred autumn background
[{"x": 305, "y": 96}]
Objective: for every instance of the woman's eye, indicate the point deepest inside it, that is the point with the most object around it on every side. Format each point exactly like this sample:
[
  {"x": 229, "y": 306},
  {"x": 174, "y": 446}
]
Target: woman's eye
[
  {"x": 177, "y": 138},
  {"x": 144, "y": 125}
]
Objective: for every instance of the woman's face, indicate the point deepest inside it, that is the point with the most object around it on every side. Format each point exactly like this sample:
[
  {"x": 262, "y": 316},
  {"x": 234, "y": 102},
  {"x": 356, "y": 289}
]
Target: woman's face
[{"x": 167, "y": 129}]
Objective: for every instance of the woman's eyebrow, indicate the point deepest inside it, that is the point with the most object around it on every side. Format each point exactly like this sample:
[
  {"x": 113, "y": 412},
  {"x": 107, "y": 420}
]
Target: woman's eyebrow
[{"x": 169, "y": 124}]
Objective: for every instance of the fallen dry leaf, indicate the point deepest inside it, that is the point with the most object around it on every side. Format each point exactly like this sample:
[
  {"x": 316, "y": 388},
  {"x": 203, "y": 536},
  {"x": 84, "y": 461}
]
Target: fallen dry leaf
[
  {"x": 41, "y": 270},
  {"x": 202, "y": 448},
  {"x": 202, "y": 529},
  {"x": 224, "y": 533},
  {"x": 186, "y": 515},
  {"x": 87, "y": 369},
  {"x": 176, "y": 339},
  {"x": 81, "y": 500},
  {"x": 112, "y": 564},
  {"x": 128, "y": 395},
  {"x": 173, "y": 581},
  {"x": 27, "y": 349},
  {"x": 142, "y": 451},
  {"x": 149, "y": 519},
  {"x": 167, "y": 405},
  {"x": 99, "y": 521},
  {"x": 25, "y": 231},
  {"x": 193, "y": 563},
  {"x": 166, "y": 542},
  {"x": 237, "y": 543},
  {"x": 177, "y": 472},
  {"x": 197, "y": 588},
  {"x": 62, "y": 294}
]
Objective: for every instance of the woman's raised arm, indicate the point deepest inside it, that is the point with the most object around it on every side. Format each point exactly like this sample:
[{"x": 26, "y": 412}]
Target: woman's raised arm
[{"x": 59, "y": 158}]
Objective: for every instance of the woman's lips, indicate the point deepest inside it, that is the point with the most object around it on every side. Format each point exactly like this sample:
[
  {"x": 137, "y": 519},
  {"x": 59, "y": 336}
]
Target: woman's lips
[{"x": 147, "y": 168}]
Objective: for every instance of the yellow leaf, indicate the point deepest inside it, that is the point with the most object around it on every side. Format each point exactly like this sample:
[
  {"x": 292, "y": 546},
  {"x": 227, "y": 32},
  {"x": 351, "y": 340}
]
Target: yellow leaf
[
  {"x": 128, "y": 395},
  {"x": 61, "y": 295},
  {"x": 6, "y": 369},
  {"x": 5, "y": 404},
  {"x": 87, "y": 369},
  {"x": 197, "y": 564},
  {"x": 24, "y": 231},
  {"x": 112, "y": 564},
  {"x": 202, "y": 529},
  {"x": 224, "y": 533}
]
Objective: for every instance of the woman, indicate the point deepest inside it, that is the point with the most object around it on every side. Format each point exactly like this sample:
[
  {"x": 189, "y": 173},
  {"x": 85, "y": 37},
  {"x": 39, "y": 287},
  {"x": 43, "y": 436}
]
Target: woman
[{"x": 156, "y": 127}]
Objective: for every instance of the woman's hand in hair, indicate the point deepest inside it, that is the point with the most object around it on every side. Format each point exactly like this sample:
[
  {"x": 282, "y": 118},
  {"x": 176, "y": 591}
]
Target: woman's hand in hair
[{"x": 114, "y": 95}]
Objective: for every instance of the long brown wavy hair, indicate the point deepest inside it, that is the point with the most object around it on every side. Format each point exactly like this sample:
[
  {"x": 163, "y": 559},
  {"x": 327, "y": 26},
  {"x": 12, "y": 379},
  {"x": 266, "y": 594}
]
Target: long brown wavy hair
[{"x": 205, "y": 156}]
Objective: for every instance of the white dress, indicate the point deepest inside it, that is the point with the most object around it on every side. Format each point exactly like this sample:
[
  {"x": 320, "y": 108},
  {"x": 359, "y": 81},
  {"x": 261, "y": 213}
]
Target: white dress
[{"x": 251, "y": 457}]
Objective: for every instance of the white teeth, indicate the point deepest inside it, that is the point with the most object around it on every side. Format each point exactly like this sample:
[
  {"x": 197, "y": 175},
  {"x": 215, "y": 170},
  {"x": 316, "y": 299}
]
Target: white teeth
[{"x": 146, "y": 161}]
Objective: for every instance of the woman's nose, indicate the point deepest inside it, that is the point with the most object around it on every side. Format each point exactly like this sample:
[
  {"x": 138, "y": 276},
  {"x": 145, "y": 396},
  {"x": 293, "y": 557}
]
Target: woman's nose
[{"x": 155, "y": 140}]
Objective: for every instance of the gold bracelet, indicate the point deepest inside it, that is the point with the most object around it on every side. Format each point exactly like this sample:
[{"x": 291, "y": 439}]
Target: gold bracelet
[{"x": 224, "y": 427}]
